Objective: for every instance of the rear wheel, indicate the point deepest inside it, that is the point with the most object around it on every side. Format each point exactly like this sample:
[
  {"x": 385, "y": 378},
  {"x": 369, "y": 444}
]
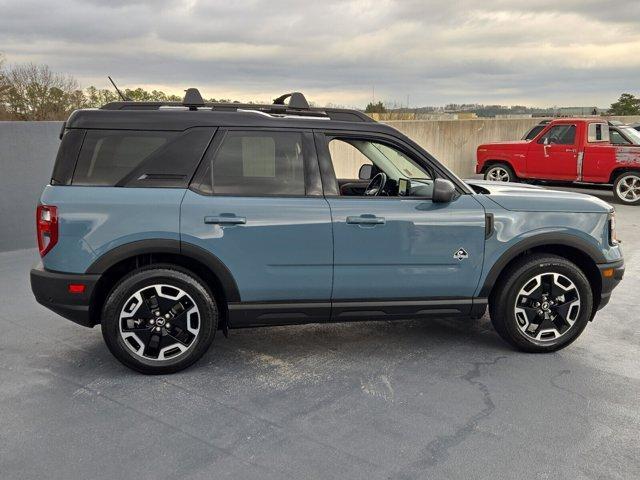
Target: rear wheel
[
  {"x": 159, "y": 320},
  {"x": 626, "y": 188},
  {"x": 543, "y": 303},
  {"x": 500, "y": 172}
]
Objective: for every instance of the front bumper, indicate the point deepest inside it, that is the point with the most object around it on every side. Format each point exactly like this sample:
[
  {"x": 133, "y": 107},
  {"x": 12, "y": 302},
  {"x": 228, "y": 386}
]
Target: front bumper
[
  {"x": 51, "y": 289},
  {"x": 610, "y": 281}
]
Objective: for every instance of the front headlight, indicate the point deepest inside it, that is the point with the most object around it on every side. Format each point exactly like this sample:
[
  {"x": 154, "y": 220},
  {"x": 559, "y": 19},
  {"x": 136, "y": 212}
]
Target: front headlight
[{"x": 613, "y": 236}]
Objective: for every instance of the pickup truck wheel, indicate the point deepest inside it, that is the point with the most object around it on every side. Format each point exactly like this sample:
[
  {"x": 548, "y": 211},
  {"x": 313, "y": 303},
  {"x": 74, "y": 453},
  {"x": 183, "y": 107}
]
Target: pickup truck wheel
[
  {"x": 542, "y": 304},
  {"x": 159, "y": 320},
  {"x": 626, "y": 188},
  {"x": 500, "y": 173}
]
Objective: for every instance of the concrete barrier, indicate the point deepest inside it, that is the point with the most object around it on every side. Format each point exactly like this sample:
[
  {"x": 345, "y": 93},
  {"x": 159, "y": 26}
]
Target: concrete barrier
[{"x": 27, "y": 153}]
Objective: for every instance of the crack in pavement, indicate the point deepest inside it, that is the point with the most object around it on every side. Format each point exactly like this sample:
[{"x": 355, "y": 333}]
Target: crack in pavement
[{"x": 438, "y": 449}]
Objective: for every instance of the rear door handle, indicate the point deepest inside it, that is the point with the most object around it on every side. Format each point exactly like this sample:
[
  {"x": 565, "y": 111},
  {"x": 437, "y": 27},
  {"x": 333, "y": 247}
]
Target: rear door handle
[
  {"x": 225, "y": 219},
  {"x": 366, "y": 220},
  {"x": 571, "y": 150}
]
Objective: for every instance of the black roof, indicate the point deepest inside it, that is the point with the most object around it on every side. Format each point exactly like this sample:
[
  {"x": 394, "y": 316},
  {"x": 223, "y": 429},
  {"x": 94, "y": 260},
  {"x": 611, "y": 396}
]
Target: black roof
[{"x": 178, "y": 120}]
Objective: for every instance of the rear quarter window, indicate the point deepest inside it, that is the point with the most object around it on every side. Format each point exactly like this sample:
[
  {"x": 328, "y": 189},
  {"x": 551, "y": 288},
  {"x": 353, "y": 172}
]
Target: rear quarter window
[
  {"x": 128, "y": 158},
  {"x": 598, "y": 132}
]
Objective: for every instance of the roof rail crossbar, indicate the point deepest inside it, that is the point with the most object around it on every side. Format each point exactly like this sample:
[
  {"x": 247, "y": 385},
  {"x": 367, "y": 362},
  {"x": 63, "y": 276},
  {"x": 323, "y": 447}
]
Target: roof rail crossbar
[{"x": 296, "y": 101}]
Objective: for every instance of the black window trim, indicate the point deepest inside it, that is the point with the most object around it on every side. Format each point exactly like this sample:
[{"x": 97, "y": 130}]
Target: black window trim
[
  {"x": 329, "y": 179},
  {"x": 312, "y": 181}
]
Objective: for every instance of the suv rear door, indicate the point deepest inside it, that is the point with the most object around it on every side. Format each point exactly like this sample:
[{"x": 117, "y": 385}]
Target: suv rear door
[
  {"x": 397, "y": 255},
  {"x": 256, "y": 205}
]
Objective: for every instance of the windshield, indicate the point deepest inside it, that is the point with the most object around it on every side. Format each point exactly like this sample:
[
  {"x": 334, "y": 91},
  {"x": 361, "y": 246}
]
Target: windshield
[{"x": 632, "y": 134}]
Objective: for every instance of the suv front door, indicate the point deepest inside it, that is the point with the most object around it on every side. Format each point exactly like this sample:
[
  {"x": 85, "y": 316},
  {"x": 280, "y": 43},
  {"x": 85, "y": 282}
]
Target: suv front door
[
  {"x": 256, "y": 207},
  {"x": 393, "y": 254}
]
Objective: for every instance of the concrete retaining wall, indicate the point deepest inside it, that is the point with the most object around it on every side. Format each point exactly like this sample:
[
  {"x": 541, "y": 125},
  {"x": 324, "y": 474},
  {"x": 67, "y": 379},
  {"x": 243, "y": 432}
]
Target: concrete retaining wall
[{"x": 27, "y": 153}]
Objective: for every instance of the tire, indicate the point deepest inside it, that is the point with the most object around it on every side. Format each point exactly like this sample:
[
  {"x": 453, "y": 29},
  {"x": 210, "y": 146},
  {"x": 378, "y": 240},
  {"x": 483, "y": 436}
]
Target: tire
[
  {"x": 626, "y": 188},
  {"x": 159, "y": 319},
  {"x": 500, "y": 172},
  {"x": 516, "y": 317}
]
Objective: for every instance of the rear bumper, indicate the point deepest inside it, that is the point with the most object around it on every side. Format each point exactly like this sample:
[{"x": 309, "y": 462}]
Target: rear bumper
[
  {"x": 610, "y": 281},
  {"x": 51, "y": 289}
]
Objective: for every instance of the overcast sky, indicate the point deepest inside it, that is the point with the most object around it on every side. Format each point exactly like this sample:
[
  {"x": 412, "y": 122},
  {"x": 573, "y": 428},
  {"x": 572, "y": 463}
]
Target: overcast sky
[{"x": 534, "y": 52}]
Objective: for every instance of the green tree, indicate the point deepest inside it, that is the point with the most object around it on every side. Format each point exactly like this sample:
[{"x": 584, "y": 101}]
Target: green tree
[
  {"x": 375, "y": 108},
  {"x": 34, "y": 92},
  {"x": 95, "y": 98},
  {"x": 627, "y": 104}
]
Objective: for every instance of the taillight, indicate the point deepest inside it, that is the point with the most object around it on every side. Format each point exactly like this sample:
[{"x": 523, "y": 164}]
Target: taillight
[{"x": 47, "y": 228}]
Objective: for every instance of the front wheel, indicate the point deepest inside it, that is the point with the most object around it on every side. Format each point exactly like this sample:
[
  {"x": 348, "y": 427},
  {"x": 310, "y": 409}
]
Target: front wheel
[
  {"x": 500, "y": 172},
  {"x": 159, "y": 319},
  {"x": 542, "y": 304},
  {"x": 626, "y": 188}
]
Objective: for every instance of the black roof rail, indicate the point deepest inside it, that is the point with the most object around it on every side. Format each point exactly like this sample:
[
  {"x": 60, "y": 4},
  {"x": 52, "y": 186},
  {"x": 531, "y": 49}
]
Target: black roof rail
[{"x": 297, "y": 106}]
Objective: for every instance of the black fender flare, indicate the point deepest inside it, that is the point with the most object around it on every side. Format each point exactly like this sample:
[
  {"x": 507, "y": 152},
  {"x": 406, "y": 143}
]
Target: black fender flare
[
  {"x": 176, "y": 247},
  {"x": 552, "y": 238}
]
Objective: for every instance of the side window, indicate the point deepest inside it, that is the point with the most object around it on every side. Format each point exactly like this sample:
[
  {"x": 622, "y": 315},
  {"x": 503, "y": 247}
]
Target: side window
[
  {"x": 598, "y": 132},
  {"x": 347, "y": 159},
  {"x": 617, "y": 139},
  {"x": 108, "y": 156},
  {"x": 560, "y": 135},
  {"x": 533, "y": 133},
  {"x": 404, "y": 175},
  {"x": 256, "y": 163}
]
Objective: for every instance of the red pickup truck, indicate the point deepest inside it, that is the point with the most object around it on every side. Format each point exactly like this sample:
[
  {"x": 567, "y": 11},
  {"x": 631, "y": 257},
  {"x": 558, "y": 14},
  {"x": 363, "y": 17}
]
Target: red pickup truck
[{"x": 566, "y": 150}]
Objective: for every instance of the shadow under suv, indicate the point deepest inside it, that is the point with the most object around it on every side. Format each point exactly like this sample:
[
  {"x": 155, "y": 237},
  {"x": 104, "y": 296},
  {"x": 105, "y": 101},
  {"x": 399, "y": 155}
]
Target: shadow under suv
[{"x": 165, "y": 222}]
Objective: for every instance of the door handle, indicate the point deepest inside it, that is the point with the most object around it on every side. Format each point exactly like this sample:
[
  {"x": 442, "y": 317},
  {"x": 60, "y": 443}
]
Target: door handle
[
  {"x": 225, "y": 219},
  {"x": 571, "y": 150},
  {"x": 366, "y": 220}
]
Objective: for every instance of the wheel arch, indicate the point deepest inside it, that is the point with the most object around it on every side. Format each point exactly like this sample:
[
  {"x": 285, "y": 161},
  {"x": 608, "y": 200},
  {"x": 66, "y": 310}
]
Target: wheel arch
[
  {"x": 495, "y": 161},
  {"x": 584, "y": 255},
  {"x": 620, "y": 170},
  {"x": 113, "y": 265}
]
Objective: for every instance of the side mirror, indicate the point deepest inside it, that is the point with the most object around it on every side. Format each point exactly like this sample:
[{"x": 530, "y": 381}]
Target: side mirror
[
  {"x": 443, "y": 191},
  {"x": 545, "y": 141},
  {"x": 365, "y": 172}
]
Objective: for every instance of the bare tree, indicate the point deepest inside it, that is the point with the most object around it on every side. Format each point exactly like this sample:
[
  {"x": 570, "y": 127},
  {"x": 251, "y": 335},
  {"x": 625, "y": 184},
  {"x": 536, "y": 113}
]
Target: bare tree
[{"x": 34, "y": 92}]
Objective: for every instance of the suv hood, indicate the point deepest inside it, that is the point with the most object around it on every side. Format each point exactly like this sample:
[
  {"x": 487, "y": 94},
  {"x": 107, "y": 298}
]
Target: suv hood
[{"x": 532, "y": 198}]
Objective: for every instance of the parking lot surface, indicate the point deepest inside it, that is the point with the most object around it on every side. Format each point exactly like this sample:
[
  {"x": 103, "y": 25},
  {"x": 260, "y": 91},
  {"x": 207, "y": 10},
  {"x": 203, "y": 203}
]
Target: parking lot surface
[{"x": 439, "y": 398}]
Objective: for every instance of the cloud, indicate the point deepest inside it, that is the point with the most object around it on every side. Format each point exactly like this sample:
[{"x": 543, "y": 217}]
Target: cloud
[{"x": 533, "y": 52}]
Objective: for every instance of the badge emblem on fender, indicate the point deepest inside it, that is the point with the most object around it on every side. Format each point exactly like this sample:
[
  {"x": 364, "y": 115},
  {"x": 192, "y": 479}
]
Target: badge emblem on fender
[{"x": 460, "y": 254}]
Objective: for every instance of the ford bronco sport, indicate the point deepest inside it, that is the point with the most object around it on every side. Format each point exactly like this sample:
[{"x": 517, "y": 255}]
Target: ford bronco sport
[{"x": 165, "y": 222}]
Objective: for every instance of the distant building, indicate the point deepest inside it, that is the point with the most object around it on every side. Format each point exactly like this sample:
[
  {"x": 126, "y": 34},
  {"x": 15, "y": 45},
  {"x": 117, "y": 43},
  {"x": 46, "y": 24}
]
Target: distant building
[
  {"x": 514, "y": 115},
  {"x": 579, "y": 111}
]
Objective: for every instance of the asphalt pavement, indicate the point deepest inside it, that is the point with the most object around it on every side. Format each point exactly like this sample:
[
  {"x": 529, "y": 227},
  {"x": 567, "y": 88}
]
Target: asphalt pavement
[{"x": 410, "y": 399}]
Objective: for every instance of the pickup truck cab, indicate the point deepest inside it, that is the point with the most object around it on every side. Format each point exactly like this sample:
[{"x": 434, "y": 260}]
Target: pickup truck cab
[{"x": 566, "y": 150}]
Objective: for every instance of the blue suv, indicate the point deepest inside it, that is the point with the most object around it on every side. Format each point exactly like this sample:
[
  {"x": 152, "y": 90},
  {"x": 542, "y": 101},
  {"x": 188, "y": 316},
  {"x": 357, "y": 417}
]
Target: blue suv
[{"x": 165, "y": 222}]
